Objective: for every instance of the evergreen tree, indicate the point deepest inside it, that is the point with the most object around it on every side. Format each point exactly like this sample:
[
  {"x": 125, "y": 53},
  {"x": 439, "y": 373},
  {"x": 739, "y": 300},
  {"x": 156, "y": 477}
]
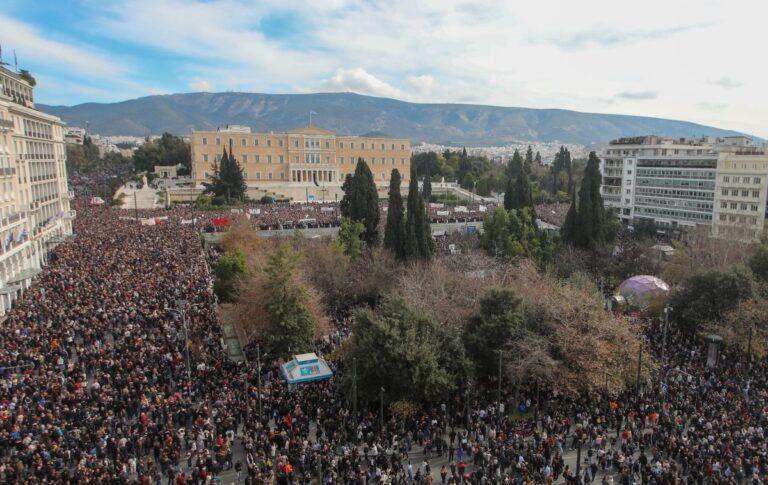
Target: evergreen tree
[
  {"x": 418, "y": 235},
  {"x": 561, "y": 171},
  {"x": 568, "y": 231},
  {"x": 394, "y": 231},
  {"x": 538, "y": 158},
  {"x": 590, "y": 227},
  {"x": 522, "y": 195},
  {"x": 528, "y": 160},
  {"x": 227, "y": 181},
  {"x": 290, "y": 325},
  {"x": 361, "y": 200},
  {"x": 427, "y": 187}
]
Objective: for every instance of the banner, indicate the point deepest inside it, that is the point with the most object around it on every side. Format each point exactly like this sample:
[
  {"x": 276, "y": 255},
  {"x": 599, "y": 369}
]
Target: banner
[
  {"x": 236, "y": 211},
  {"x": 435, "y": 205},
  {"x": 483, "y": 208},
  {"x": 327, "y": 209},
  {"x": 221, "y": 221},
  {"x": 254, "y": 211},
  {"x": 460, "y": 208},
  {"x": 189, "y": 221},
  {"x": 148, "y": 222},
  {"x": 523, "y": 430},
  {"x": 443, "y": 213}
]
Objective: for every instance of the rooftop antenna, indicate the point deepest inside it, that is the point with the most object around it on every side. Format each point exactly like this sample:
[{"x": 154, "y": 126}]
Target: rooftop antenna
[
  {"x": 15, "y": 60},
  {"x": 1, "y": 57}
]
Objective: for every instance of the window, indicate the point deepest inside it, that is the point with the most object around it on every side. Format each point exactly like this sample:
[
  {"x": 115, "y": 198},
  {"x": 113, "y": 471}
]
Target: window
[
  {"x": 269, "y": 143},
  {"x": 206, "y": 175},
  {"x": 258, "y": 175},
  {"x": 256, "y": 158},
  {"x": 362, "y": 145},
  {"x": 745, "y": 193},
  {"x": 205, "y": 141},
  {"x": 743, "y": 206},
  {"x": 269, "y": 175},
  {"x": 341, "y": 144},
  {"x": 296, "y": 143},
  {"x": 629, "y": 191},
  {"x": 723, "y": 205},
  {"x": 726, "y": 179},
  {"x": 282, "y": 160},
  {"x": 230, "y": 142},
  {"x": 245, "y": 158},
  {"x": 756, "y": 180},
  {"x": 393, "y": 146},
  {"x": 205, "y": 158},
  {"x": 734, "y": 205},
  {"x": 352, "y": 145},
  {"x": 218, "y": 141},
  {"x": 756, "y": 194},
  {"x": 245, "y": 175},
  {"x": 723, "y": 217},
  {"x": 753, "y": 207},
  {"x": 402, "y": 147},
  {"x": 256, "y": 143},
  {"x": 734, "y": 192},
  {"x": 341, "y": 160},
  {"x": 373, "y": 160},
  {"x": 736, "y": 180},
  {"x": 218, "y": 158},
  {"x": 327, "y": 144},
  {"x": 282, "y": 175},
  {"x": 382, "y": 146},
  {"x": 392, "y": 160},
  {"x": 280, "y": 142},
  {"x": 269, "y": 158},
  {"x": 629, "y": 172},
  {"x": 402, "y": 161},
  {"x": 725, "y": 191},
  {"x": 243, "y": 142}
]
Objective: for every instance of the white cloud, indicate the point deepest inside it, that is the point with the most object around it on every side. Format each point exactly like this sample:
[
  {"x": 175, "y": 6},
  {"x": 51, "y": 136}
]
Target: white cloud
[
  {"x": 200, "y": 85},
  {"x": 638, "y": 95},
  {"x": 421, "y": 84},
  {"x": 360, "y": 81},
  {"x": 726, "y": 82},
  {"x": 33, "y": 45}
]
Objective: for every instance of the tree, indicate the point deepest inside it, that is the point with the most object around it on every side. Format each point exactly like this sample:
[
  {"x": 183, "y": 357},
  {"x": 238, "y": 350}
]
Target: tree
[
  {"x": 418, "y": 235},
  {"x": 167, "y": 150},
  {"x": 406, "y": 352},
  {"x": 512, "y": 235},
  {"x": 708, "y": 295},
  {"x": 427, "y": 187},
  {"x": 590, "y": 230},
  {"x": 227, "y": 181},
  {"x": 528, "y": 160},
  {"x": 759, "y": 262},
  {"x": 561, "y": 170},
  {"x": 228, "y": 272},
  {"x": 290, "y": 324},
  {"x": 538, "y": 158},
  {"x": 349, "y": 237},
  {"x": 394, "y": 231},
  {"x": 568, "y": 231},
  {"x": 361, "y": 200},
  {"x": 25, "y": 75},
  {"x": 499, "y": 320},
  {"x": 522, "y": 195}
]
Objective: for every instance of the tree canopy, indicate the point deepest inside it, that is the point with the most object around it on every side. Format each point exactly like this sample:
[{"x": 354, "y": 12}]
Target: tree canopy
[
  {"x": 418, "y": 235},
  {"x": 499, "y": 320},
  {"x": 361, "y": 200},
  {"x": 394, "y": 231},
  {"x": 167, "y": 150},
  {"x": 227, "y": 181},
  {"x": 230, "y": 268}
]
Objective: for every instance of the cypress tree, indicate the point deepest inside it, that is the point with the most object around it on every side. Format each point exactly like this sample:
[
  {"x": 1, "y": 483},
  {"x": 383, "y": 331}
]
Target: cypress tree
[
  {"x": 427, "y": 187},
  {"x": 568, "y": 231},
  {"x": 590, "y": 227},
  {"x": 522, "y": 195},
  {"x": 361, "y": 200},
  {"x": 528, "y": 159},
  {"x": 418, "y": 236},
  {"x": 394, "y": 232},
  {"x": 538, "y": 158}
]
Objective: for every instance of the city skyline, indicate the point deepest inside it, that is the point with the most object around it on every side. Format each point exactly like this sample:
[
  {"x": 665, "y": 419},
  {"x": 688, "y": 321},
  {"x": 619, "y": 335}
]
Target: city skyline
[{"x": 688, "y": 60}]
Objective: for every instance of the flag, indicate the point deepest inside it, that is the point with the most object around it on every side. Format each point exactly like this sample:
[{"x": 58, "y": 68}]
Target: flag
[
  {"x": 313, "y": 112},
  {"x": 314, "y": 178},
  {"x": 15, "y": 61}
]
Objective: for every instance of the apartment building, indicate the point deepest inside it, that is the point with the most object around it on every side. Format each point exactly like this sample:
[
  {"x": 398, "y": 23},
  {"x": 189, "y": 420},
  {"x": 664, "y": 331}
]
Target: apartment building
[
  {"x": 306, "y": 163},
  {"x": 668, "y": 181},
  {"x": 683, "y": 183},
  {"x": 740, "y": 196},
  {"x": 34, "y": 198}
]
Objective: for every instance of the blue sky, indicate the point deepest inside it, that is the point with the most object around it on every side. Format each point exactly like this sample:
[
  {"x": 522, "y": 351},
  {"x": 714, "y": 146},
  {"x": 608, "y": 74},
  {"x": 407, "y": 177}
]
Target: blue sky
[{"x": 692, "y": 60}]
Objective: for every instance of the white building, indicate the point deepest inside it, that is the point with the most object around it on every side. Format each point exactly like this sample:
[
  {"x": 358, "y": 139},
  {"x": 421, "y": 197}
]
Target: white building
[
  {"x": 34, "y": 198},
  {"x": 740, "y": 196}
]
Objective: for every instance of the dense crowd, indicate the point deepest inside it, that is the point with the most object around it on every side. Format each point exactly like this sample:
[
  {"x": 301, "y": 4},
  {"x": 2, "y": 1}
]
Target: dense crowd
[{"x": 96, "y": 388}]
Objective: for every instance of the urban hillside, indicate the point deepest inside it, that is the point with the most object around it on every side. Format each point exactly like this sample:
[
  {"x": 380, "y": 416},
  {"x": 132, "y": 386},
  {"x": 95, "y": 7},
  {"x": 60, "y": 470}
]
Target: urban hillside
[{"x": 349, "y": 113}]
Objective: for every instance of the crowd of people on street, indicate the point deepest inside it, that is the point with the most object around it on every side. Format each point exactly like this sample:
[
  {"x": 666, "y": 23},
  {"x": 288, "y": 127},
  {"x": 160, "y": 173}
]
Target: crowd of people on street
[{"x": 114, "y": 371}]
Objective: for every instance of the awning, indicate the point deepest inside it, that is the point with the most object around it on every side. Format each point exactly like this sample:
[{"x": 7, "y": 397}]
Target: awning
[
  {"x": 24, "y": 274},
  {"x": 305, "y": 368}
]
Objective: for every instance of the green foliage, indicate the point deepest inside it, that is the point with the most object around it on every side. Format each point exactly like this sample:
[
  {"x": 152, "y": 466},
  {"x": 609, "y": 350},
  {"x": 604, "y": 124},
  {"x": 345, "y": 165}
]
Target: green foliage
[
  {"x": 513, "y": 235},
  {"x": 419, "y": 245},
  {"x": 229, "y": 270},
  {"x": 349, "y": 238},
  {"x": 118, "y": 201},
  {"x": 455, "y": 165},
  {"x": 589, "y": 230},
  {"x": 708, "y": 295},
  {"x": 500, "y": 319},
  {"x": 290, "y": 324},
  {"x": 227, "y": 181},
  {"x": 519, "y": 194},
  {"x": 528, "y": 160},
  {"x": 266, "y": 199},
  {"x": 406, "y": 352},
  {"x": 758, "y": 263},
  {"x": 561, "y": 171},
  {"x": 361, "y": 201},
  {"x": 25, "y": 75},
  {"x": 427, "y": 186},
  {"x": 167, "y": 150},
  {"x": 394, "y": 231}
]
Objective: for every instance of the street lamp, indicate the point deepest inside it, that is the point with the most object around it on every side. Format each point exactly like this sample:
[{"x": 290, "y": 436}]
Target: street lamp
[
  {"x": 181, "y": 309},
  {"x": 667, "y": 310},
  {"x": 498, "y": 392},
  {"x": 381, "y": 400}
]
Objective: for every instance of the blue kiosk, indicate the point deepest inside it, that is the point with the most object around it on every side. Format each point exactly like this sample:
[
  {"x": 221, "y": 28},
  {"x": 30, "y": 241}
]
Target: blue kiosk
[{"x": 305, "y": 368}]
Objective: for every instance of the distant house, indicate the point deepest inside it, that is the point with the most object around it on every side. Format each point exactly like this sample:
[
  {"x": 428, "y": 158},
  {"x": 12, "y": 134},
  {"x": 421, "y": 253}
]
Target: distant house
[{"x": 166, "y": 171}]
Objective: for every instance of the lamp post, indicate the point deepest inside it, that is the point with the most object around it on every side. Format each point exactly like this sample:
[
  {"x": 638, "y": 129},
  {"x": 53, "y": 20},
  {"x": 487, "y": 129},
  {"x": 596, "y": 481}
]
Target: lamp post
[
  {"x": 258, "y": 377},
  {"x": 639, "y": 366},
  {"x": 498, "y": 391},
  {"x": 667, "y": 310},
  {"x": 181, "y": 309},
  {"x": 354, "y": 390},
  {"x": 381, "y": 410}
]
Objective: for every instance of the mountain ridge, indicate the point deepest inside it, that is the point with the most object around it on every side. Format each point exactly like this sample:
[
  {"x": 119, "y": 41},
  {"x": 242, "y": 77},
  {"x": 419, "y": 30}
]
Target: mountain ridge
[{"x": 352, "y": 114}]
